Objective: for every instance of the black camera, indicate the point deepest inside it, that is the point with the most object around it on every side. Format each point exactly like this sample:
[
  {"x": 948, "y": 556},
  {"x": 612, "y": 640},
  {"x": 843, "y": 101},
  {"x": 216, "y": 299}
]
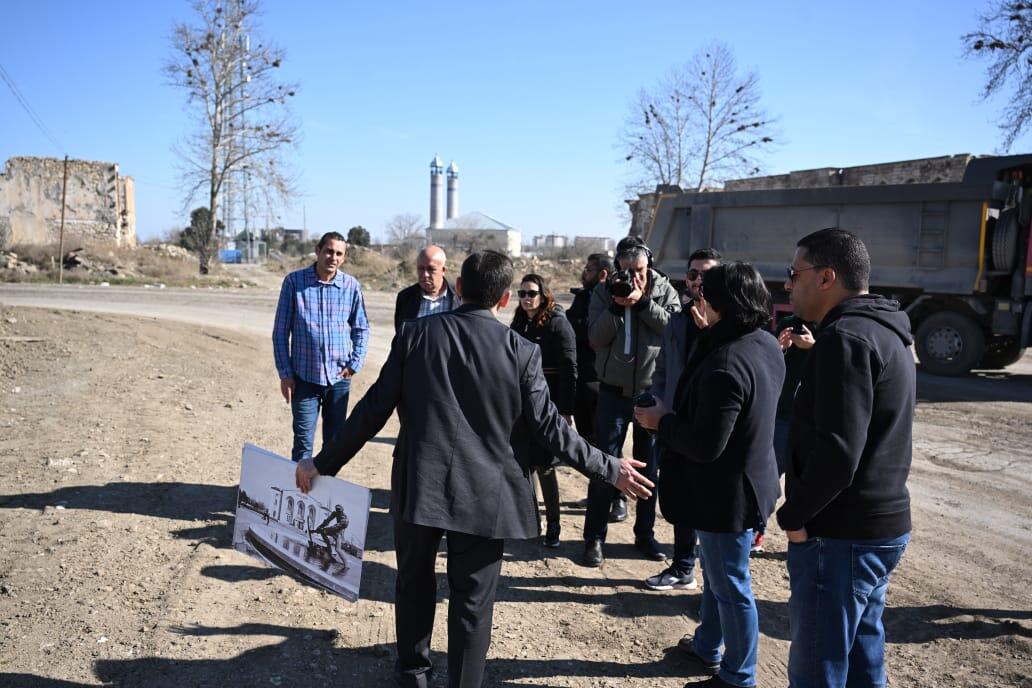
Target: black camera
[
  {"x": 798, "y": 327},
  {"x": 645, "y": 400},
  {"x": 620, "y": 283}
]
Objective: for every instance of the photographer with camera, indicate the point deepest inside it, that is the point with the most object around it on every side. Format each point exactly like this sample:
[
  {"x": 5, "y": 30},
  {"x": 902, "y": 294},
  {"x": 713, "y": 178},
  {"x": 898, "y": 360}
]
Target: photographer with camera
[{"x": 626, "y": 318}]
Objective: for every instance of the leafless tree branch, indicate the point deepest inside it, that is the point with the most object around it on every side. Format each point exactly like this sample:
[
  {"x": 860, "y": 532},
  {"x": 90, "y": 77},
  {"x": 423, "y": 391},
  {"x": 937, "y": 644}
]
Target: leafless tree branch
[
  {"x": 700, "y": 125},
  {"x": 243, "y": 122},
  {"x": 1004, "y": 38}
]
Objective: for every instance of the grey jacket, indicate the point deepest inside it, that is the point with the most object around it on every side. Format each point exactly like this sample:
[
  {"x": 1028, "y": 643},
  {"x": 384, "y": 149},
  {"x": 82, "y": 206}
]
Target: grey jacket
[{"x": 629, "y": 364}]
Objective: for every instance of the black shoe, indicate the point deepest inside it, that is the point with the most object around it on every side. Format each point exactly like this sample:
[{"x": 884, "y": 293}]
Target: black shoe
[
  {"x": 592, "y": 553},
  {"x": 551, "y": 538},
  {"x": 618, "y": 511},
  {"x": 712, "y": 682},
  {"x": 649, "y": 548},
  {"x": 709, "y": 668}
]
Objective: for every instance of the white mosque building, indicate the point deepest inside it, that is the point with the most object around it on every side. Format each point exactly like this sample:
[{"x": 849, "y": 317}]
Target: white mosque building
[{"x": 464, "y": 233}]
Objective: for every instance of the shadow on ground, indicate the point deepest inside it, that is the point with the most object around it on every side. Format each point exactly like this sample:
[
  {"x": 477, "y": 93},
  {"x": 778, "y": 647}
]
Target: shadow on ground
[{"x": 996, "y": 385}]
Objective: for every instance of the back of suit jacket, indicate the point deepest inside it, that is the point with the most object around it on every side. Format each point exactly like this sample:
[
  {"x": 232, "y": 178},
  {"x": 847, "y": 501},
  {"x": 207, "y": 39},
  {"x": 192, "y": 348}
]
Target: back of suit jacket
[{"x": 471, "y": 399}]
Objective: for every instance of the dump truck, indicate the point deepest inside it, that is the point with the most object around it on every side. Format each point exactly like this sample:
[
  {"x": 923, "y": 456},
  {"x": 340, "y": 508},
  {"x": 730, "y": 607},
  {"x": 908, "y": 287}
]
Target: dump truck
[{"x": 955, "y": 253}]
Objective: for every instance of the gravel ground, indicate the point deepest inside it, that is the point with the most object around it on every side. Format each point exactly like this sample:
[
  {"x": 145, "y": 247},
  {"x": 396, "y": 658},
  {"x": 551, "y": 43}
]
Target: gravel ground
[{"x": 121, "y": 424}]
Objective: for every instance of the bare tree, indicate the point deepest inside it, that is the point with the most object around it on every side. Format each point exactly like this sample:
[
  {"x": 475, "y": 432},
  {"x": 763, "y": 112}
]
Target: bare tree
[
  {"x": 405, "y": 228},
  {"x": 243, "y": 124},
  {"x": 1004, "y": 37},
  {"x": 700, "y": 124}
]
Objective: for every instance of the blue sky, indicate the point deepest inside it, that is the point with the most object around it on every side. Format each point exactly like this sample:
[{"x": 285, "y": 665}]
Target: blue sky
[{"x": 526, "y": 97}]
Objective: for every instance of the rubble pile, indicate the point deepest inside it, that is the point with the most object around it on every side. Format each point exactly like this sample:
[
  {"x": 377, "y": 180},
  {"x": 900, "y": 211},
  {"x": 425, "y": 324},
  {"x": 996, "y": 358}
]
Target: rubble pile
[
  {"x": 11, "y": 261},
  {"x": 171, "y": 250},
  {"x": 79, "y": 260}
]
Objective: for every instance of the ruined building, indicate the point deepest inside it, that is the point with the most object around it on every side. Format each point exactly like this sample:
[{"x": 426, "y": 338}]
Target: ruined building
[{"x": 100, "y": 204}]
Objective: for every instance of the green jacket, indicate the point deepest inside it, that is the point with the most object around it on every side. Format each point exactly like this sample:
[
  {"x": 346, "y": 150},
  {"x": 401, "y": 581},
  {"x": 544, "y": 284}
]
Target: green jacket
[{"x": 630, "y": 364}]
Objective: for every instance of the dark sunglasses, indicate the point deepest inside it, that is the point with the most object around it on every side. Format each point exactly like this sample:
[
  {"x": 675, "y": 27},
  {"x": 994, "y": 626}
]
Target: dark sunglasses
[
  {"x": 527, "y": 294},
  {"x": 695, "y": 274},
  {"x": 792, "y": 272}
]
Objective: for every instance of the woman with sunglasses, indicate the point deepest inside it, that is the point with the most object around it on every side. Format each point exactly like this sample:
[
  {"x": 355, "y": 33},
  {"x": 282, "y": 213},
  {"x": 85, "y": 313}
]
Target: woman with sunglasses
[
  {"x": 541, "y": 320},
  {"x": 717, "y": 468}
]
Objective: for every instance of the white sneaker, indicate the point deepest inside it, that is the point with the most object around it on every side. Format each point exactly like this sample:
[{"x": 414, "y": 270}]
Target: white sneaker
[{"x": 671, "y": 580}]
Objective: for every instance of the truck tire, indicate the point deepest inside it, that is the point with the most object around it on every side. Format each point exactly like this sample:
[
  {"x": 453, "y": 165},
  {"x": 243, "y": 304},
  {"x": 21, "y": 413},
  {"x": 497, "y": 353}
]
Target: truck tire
[
  {"x": 949, "y": 343},
  {"x": 1005, "y": 240},
  {"x": 1000, "y": 352}
]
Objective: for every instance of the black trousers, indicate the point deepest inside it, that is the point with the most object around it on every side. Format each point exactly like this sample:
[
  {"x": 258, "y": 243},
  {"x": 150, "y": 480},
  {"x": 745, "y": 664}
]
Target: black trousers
[
  {"x": 549, "y": 492},
  {"x": 615, "y": 415},
  {"x": 584, "y": 409},
  {"x": 474, "y": 565}
]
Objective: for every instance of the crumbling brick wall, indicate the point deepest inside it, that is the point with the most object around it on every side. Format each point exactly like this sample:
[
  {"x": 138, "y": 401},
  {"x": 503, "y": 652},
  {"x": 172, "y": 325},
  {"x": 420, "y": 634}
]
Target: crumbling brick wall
[
  {"x": 947, "y": 168},
  {"x": 100, "y": 205}
]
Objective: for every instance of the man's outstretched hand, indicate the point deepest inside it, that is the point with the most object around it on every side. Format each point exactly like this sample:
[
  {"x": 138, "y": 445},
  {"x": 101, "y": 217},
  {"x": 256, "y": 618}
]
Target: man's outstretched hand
[
  {"x": 305, "y": 473},
  {"x": 631, "y": 482}
]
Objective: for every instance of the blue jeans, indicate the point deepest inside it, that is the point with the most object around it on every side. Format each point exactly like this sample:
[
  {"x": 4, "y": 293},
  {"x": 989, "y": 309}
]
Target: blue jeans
[
  {"x": 613, "y": 416},
  {"x": 308, "y": 399},
  {"x": 728, "y": 614},
  {"x": 838, "y": 596}
]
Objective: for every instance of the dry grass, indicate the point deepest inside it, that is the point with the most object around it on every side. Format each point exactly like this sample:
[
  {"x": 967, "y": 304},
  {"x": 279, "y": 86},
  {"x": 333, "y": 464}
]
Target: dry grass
[
  {"x": 117, "y": 265},
  {"x": 143, "y": 265}
]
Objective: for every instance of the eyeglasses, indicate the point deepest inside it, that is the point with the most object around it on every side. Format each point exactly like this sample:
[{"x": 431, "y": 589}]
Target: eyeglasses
[
  {"x": 792, "y": 272},
  {"x": 695, "y": 274},
  {"x": 527, "y": 294}
]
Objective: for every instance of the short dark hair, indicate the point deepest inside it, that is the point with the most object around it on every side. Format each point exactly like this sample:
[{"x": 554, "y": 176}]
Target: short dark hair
[
  {"x": 602, "y": 261},
  {"x": 706, "y": 254},
  {"x": 331, "y": 236},
  {"x": 486, "y": 275},
  {"x": 841, "y": 251},
  {"x": 737, "y": 291},
  {"x": 632, "y": 247}
]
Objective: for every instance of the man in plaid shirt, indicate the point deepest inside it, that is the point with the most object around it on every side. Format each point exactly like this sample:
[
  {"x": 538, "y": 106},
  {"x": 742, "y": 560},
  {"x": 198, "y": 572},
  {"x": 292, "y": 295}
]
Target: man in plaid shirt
[{"x": 319, "y": 341}]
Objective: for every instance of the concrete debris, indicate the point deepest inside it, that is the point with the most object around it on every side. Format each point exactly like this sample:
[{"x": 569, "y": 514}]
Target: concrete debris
[
  {"x": 10, "y": 261},
  {"x": 170, "y": 250}
]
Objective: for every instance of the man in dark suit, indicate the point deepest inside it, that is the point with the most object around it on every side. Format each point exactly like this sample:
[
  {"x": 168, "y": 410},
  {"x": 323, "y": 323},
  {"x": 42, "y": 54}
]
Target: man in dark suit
[
  {"x": 430, "y": 294},
  {"x": 472, "y": 401}
]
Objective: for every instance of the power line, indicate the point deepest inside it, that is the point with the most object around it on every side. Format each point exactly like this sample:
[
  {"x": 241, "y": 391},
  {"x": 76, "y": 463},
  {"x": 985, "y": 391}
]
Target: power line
[{"x": 28, "y": 108}]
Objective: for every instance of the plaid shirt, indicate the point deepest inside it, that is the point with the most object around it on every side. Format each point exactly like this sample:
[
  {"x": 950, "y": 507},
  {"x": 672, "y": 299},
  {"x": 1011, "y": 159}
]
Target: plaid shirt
[
  {"x": 320, "y": 327},
  {"x": 429, "y": 306}
]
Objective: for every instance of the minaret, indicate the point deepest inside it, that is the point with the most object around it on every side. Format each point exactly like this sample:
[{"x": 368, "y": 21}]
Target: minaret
[
  {"x": 436, "y": 193},
  {"x": 453, "y": 190}
]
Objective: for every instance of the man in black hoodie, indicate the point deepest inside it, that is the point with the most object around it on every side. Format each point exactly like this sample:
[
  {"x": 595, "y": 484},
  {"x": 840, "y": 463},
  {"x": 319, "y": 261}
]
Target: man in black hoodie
[{"x": 847, "y": 509}]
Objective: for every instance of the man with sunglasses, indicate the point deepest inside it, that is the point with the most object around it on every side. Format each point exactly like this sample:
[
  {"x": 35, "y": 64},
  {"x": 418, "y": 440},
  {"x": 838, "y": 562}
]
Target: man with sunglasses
[
  {"x": 678, "y": 337},
  {"x": 847, "y": 509}
]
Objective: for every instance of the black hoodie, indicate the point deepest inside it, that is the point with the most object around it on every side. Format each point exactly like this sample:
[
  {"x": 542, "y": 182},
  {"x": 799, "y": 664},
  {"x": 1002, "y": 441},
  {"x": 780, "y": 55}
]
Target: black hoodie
[{"x": 852, "y": 423}]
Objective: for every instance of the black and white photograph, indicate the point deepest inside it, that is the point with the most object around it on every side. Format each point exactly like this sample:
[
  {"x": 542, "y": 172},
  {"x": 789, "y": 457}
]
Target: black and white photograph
[{"x": 318, "y": 538}]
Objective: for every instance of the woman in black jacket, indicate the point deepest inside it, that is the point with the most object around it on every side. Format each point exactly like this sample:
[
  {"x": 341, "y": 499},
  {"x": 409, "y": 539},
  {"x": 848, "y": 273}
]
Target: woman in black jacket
[
  {"x": 540, "y": 319},
  {"x": 717, "y": 468}
]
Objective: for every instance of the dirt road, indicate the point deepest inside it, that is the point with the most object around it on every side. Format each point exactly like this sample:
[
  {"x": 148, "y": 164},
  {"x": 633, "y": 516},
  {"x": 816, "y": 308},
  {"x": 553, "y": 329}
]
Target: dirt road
[{"x": 121, "y": 423}]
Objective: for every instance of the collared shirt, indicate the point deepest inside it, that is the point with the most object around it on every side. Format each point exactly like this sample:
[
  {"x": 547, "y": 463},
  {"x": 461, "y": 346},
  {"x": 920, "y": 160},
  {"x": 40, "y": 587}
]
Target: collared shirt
[
  {"x": 430, "y": 305},
  {"x": 321, "y": 327}
]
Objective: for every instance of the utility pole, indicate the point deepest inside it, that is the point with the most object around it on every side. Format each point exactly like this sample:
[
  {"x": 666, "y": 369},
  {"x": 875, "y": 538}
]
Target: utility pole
[
  {"x": 245, "y": 49},
  {"x": 60, "y": 243}
]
